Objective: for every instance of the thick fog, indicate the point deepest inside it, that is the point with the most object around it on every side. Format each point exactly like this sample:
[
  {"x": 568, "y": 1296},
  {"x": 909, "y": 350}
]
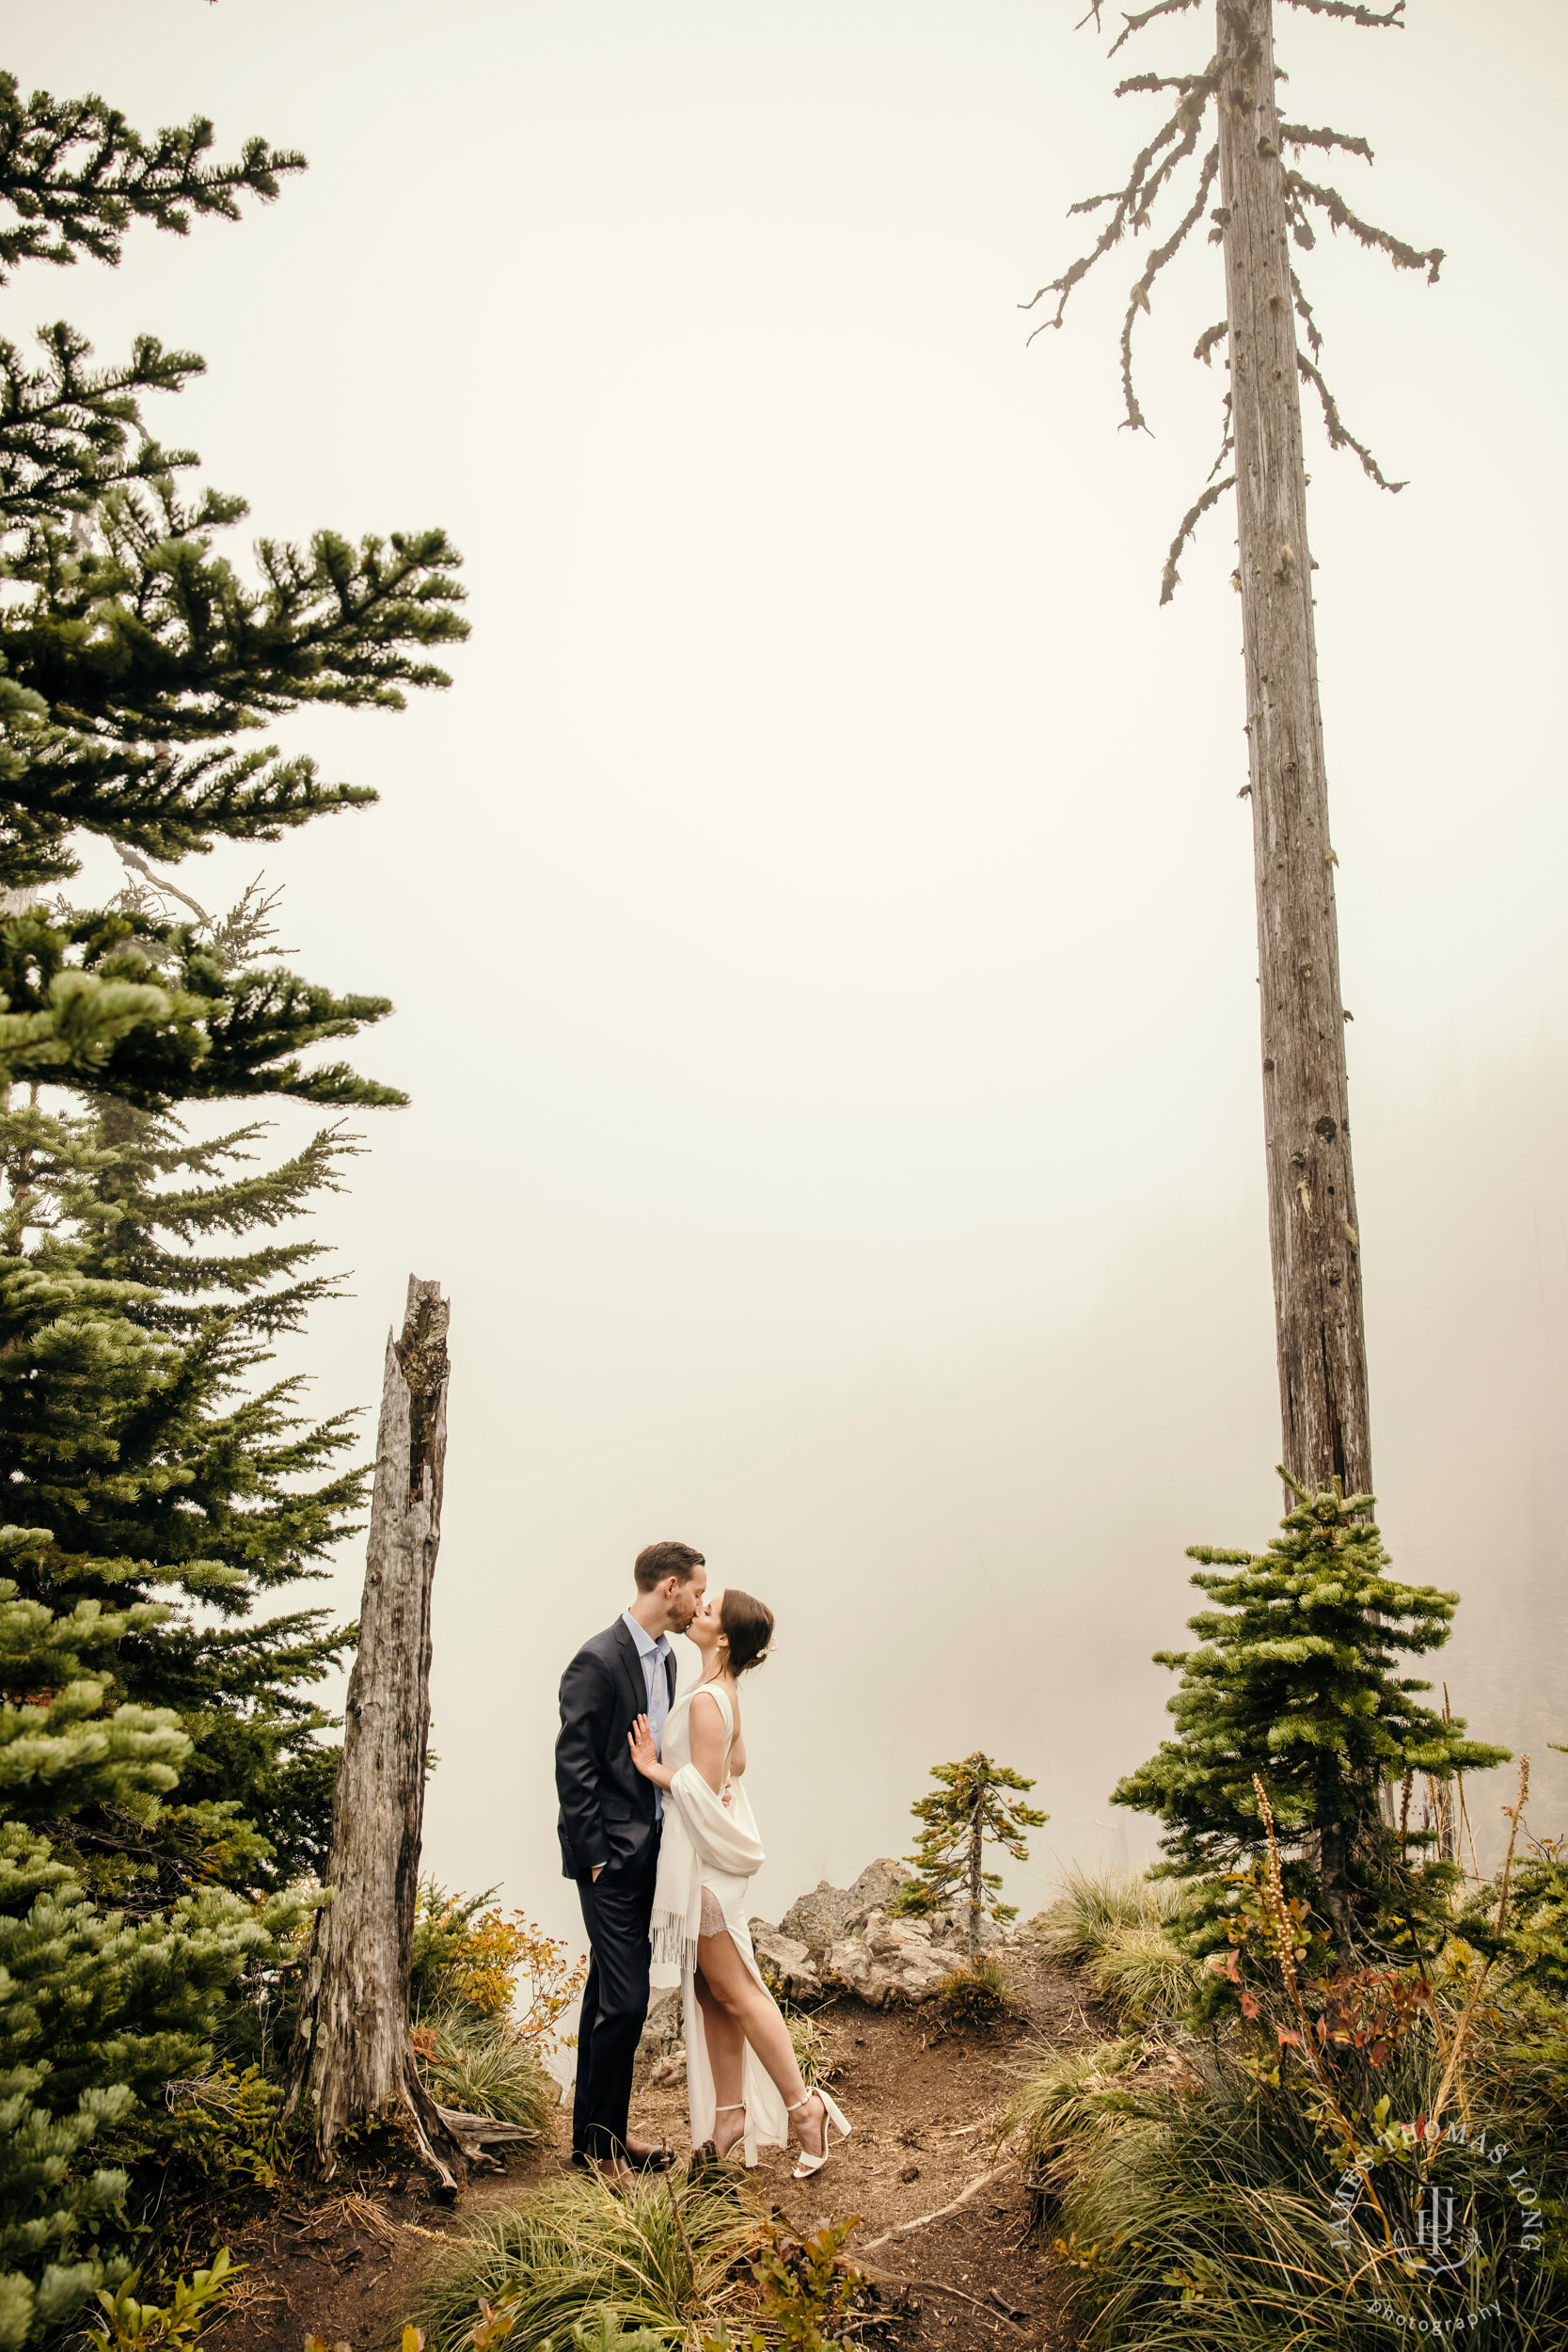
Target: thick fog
[{"x": 821, "y": 915}]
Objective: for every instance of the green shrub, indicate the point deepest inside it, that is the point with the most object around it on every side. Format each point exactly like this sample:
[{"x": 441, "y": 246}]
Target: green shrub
[
  {"x": 574, "y": 2249},
  {"x": 803, "y": 2285},
  {"x": 974, "y": 1995},
  {"x": 124, "y": 2325}
]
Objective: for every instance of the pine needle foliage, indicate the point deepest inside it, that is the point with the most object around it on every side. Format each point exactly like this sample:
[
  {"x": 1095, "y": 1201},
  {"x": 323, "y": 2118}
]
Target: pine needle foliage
[
  {"x": 137, "y": 658},
  {"x": 99, "y": 2011},
  {"x": 976, "y": 1804},
  {"x": 1297, "y": 1682},
  {"x": 132, "y": 1425}
]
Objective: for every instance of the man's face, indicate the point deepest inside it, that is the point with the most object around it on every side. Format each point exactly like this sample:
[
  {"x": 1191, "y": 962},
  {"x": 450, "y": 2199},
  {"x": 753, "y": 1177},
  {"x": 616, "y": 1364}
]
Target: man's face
[{"x": 686, "y": 1599}]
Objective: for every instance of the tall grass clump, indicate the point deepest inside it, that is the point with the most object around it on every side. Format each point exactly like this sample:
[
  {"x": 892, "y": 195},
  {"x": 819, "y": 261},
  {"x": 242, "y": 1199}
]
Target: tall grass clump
[
  {"x": 809, "y": 2043},
  {"x": 1146, "y": 1977},
  {"x": 1060, "y": 2116},
  {"x": 1095, "y": 1909},
  {"x": 1207, "y": 2224},
  {"x": 974, "y": 1995},
  {"x": 1279, "y": 2185},
  {"x": 662, "y": 2255},
  {"x": 483, "y": 2066},
  {"x": 1120, "y": 1928}
]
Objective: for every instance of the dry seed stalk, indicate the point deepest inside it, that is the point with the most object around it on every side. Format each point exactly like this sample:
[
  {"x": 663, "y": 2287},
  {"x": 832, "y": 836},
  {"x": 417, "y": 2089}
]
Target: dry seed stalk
[{"x": 1461, "y": 2032}]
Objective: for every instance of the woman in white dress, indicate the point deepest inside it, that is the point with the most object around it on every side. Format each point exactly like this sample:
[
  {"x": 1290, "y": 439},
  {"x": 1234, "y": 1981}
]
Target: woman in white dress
[{"x": 743, "y": 2082}]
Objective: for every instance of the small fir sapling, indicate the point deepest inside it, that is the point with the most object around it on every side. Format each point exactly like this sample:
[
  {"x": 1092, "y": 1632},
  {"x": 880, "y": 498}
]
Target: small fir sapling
[
  {"x": 1297, "y": 1682},
  {"x": 978, "y": 1802}
]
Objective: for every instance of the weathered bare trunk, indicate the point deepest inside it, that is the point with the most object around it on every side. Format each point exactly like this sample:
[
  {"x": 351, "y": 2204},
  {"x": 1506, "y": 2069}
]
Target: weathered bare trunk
[
  {"x": 1313, "y": 1234},
  {"x": 977, "y": 1856},
  {"x": 352, "y": 2055}
]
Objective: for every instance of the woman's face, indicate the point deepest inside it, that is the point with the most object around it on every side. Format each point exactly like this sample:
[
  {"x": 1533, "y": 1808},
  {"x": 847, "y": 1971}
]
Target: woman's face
[{"x": 705, "y": 1628}]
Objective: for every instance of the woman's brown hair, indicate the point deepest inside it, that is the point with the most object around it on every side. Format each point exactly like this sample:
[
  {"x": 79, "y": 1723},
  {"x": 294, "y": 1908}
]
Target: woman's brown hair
[{"x": 748, "y": 1627}]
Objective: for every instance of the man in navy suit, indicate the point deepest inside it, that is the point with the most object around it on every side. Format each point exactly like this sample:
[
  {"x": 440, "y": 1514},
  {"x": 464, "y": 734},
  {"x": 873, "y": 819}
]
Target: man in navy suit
[{"x": 610, "y": 1830}]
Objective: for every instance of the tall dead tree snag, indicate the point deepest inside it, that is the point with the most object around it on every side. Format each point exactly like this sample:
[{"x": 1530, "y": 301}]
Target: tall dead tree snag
[
  {"x": 1266, "y": 206},
  {"x": 1313, "y": 1237},
  {"x": 352, "y": 2055}
]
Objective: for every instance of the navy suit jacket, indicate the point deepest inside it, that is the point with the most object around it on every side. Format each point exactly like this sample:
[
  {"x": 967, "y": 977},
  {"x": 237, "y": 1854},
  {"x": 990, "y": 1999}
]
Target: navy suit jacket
[{"x": 607, "y": 1807}]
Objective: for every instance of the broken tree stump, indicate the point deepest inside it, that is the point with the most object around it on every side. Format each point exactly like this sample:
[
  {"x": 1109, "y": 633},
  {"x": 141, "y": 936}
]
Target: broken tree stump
[{"x": 351, "y": 2056}]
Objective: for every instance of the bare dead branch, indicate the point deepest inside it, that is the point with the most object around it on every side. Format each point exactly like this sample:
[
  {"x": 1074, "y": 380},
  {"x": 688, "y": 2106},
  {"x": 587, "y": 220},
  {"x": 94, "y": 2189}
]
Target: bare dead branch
[
  {"x": 1132, "y": 209},
  {"x": 1329, "y": 200},
  {"x": 1340, "y": 434},
  {"x": 1211, "y": 496},
  {"x": 1127, "y": 202},
  {"x": 1297, "y": 135},
  {"x": 1227, "y": 444},
  {"x": 1162, "y": 254},
  {"x": 923, "y": 2221},
  {"x": 1137, "y": 82},
  {"x": 1391, "y": 21},
  {"x": 1131, "y": 24},
  {"x": 1084, "y": 205},
  {"x": 1190, "y": 520},
  {"x": 1305, "y": 312}
]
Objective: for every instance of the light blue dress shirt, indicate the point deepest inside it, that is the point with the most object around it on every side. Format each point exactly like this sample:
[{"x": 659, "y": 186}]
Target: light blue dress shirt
[{"x": 653, "y": 1655}]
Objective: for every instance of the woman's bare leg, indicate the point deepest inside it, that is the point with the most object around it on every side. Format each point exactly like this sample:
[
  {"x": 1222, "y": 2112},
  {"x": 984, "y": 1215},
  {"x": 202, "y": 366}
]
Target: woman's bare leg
[
  {"x": 727, "y": 2058},
  {"x": 752, "y": 2010}
]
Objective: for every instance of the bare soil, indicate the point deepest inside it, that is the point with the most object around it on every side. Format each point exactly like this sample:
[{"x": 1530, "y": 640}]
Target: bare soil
[{"x": 343, "y": 2262}]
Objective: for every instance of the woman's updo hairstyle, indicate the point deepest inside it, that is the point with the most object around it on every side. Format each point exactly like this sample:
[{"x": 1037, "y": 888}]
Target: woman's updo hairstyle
[{"x": 748, "y": 1627}]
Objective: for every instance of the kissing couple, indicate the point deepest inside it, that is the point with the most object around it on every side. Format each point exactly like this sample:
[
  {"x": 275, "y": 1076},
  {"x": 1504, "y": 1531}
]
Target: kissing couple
[{"x": 657, "y": 1831}]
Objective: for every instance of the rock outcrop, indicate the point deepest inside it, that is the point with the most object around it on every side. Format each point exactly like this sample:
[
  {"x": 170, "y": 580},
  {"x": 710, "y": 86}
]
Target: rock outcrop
[
  {"x": 828, "y": 1914},
  {"x": 891, "y": 1960},
  {"x": 786, "y": 1965},
  {"x": 836, "y": 1939}
]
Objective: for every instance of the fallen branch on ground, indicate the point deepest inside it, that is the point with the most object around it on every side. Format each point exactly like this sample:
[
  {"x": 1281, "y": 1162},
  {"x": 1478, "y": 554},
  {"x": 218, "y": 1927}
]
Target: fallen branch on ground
[
  {"x": 902, "y": 2229},
  {"x": 993, "y": 2310}
]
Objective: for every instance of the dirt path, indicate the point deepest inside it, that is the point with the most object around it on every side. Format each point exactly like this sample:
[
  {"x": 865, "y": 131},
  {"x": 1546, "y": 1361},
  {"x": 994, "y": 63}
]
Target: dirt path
[{"x": 343, "y": 2267}]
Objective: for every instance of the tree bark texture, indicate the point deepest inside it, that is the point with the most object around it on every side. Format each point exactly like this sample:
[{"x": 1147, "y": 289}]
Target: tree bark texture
[
  {"x": 1313, "y": 1234},
  {"x": 352, "y": 2054},
  {"x": 976, "y": 1864}
]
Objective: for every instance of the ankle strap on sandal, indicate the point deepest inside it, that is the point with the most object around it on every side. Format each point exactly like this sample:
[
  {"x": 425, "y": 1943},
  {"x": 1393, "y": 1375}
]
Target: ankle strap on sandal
[
  {"x": 733, "y": 2107},
  {"x": 793, "y": 2104}
]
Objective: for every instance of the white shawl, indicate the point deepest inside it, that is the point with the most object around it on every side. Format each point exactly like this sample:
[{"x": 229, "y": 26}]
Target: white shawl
[{"x": 698, "y": 1828}]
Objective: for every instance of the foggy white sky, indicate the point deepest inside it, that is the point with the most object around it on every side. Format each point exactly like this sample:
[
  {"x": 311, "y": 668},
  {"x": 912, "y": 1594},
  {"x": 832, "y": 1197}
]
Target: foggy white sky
[{"x": 820, "y": 915}]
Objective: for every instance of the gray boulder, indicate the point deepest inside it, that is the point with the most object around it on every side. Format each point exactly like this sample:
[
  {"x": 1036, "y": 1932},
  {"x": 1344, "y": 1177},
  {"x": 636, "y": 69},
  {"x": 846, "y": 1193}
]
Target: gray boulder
[
  {"x": 829, "y": 1914},
  {"x": 889, "y": 1962},
  {"x": 786, "y": 1965}
]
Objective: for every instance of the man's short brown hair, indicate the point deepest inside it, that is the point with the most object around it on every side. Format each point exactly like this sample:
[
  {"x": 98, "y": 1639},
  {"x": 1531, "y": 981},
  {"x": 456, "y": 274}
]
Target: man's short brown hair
[{"x": 655, "y": 1562}]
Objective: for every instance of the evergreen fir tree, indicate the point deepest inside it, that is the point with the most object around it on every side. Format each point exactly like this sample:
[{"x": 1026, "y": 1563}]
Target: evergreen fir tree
[
  {"x": 138, "y": 666},
  {"x": 131, "y": 1330},
  {"x": 94, "y": 2010},
  {"x": 1297, "y": 1682},
  {"x": 979, "y": 1802},
  {"x": 134, "y": 657}
]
